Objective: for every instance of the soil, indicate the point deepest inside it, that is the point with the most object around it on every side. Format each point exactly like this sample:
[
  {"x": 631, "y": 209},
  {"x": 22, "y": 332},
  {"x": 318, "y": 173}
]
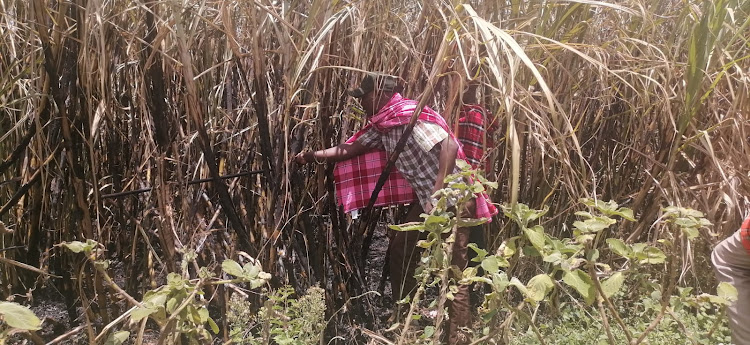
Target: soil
[{"x": 49, "y": 305}]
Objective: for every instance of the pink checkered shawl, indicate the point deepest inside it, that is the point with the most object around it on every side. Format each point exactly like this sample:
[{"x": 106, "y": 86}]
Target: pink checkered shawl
[
  {"x": 475, "y": 128},
  {"x": 356, "y": 177}
]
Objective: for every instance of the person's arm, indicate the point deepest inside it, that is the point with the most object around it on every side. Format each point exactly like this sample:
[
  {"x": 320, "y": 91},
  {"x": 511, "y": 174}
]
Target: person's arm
[
  {"x": 447, "y": 162},
  {"x": 333, "y": 154}
]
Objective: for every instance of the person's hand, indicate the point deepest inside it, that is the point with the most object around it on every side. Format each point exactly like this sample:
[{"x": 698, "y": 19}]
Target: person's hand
[
  {"x": 427, "y": 207},
  {"x": 303, "y": 158}
]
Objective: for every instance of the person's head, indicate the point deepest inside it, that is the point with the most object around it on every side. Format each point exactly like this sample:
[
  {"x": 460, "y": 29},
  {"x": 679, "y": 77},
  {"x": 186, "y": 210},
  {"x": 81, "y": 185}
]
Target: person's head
[
  {"x": 470, "y": 94},
  {"x": 375, "y": 91}
]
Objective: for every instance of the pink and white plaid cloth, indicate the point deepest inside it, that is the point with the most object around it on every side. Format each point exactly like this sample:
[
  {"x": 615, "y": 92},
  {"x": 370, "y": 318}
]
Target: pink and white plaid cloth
[
  {"x": 353, "y": 190},
  {"x": 356, "y": 179},
  {"x": 475, "y": 128}
]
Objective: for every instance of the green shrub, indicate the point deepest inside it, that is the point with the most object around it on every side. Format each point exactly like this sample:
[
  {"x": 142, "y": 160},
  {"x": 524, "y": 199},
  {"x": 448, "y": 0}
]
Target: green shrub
[{"x": 283, "y": 319}]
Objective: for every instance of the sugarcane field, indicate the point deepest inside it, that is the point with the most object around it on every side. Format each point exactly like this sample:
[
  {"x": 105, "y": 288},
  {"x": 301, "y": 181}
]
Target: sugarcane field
[{"x": 414, "y": 172}]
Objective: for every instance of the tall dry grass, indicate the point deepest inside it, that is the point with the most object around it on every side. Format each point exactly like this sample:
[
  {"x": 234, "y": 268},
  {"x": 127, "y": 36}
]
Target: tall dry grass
[{"x": 643, "y": 102}]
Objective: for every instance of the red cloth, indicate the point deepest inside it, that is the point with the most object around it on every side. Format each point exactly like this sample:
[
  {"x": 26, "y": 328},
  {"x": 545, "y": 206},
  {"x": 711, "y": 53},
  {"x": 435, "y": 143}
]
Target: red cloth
[
  {"x": 475, "y": 128},
  {"x": 745, "y": 234},
  {"x": 397, "y": 112},
  {"x": 356, "y": 179}
]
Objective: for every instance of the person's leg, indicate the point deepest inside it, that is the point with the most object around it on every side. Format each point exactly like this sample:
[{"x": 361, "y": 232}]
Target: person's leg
[
  {"x": 476, "y": 236},
  {"x": 404, "y": 256},
  {"x": 732, "y": 265},
  {"x": 459, "y": 309}
]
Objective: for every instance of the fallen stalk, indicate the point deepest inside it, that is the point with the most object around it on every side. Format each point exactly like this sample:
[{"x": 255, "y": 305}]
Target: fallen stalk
[{"x": 203, "y": 180}]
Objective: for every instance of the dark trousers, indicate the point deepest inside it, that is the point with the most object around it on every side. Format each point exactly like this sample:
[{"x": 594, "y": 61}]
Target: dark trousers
[{"x": 404, "y": 258}]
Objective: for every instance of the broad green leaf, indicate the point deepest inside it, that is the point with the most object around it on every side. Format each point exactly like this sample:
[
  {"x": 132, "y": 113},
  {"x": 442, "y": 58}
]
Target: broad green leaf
[
  {"x": 500, "y": 281},
  {"x": 584, "y": 238},
  {"x": 140, "y": 313},
  {"x": 592, "y": 255},
  {"x": 172, "y": 304},
  {"x": 462, "y": 164},
  {"x": 691, "y": 233},
  {"x": 572, "y": 263},
  {"x": 477, "y": 187},
  {"x": 213, "y": 325},
  {"x": 175, "y": 280},
  {"x": 625, "y": 213},
  {"x": 78, "y": 246},
  {"x": 611, "y": 285},
  {"x": 554, "y": 258},
  {"x": 686, "y": 222},
  {"x": 429, "y": 331},
  {"x": 481, "y": 253},
  {"x": 619, "y": 247},
  {"x": 434, "y": 219},
  {"x": 610, "y": 208},
  {"x": 75, "y": 246},
  {"x": 19, "y": 317},
  {"x": 203, "y": 313},
  {"x": 491, "y": 264},
  {"x": 589, "y": 202},
  {"x": 232, "y": 267},
  {"x": 196, "y": 314},
  {"x": 727, "y": 291},
  {"x": 251, "y": 270},
  {"x": 491, "y": 185},
  {"x": 262, "y": 279},
  {"x": 155, "y": 298},
  {"x": 638, "y": 247},
  {"x": 539, "y": 286},
  {"x": 509, "y": 247},
  {"x": 582, "y": 283},
  {"x": 535, "y": 236},
  {"x": 117, "y": 338},
  {"x": 595, "y": 224},
  {"x": 651, "y": 255},
  {"x": 469, "y": 272},
  {"x": 522, "y": 214},
  {"x": 713, "y": 299},
  {"x": 531, "y": 215}
]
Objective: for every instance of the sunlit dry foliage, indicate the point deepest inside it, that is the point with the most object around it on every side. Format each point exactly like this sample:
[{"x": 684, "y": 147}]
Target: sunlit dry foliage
[{"x": 642, "y": 102}]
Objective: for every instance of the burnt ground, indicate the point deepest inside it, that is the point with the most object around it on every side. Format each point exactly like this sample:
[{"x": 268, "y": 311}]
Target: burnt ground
[{"x": 49, "y": 304}]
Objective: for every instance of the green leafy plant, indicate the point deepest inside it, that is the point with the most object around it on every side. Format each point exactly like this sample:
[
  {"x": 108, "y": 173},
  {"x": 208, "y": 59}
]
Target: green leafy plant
[
  {"x": 567, "y": 263},
  {"x": 15, "y": 318},
  {"x": 440, "y": 226},
  {"x": 281, "y": 320},
  {"x": 177, "y": 306}
]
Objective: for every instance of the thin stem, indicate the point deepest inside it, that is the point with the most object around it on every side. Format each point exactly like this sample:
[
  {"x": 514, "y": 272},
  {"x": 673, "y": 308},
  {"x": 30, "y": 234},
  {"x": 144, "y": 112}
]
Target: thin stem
[
  {"x": 444, "y": 285},
  {"x": 413, "y": 307},
  {"x": 533, "y": 327},
  {"x": 605, "y": 322},
  {"x": 609, "y": 304}
]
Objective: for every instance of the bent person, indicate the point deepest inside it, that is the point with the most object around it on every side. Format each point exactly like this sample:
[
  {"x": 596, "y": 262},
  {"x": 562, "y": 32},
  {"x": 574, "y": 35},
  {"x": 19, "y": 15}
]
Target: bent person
[
  {"x": 429, "y": 156},
  {"x": 731, "y": 260}
]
